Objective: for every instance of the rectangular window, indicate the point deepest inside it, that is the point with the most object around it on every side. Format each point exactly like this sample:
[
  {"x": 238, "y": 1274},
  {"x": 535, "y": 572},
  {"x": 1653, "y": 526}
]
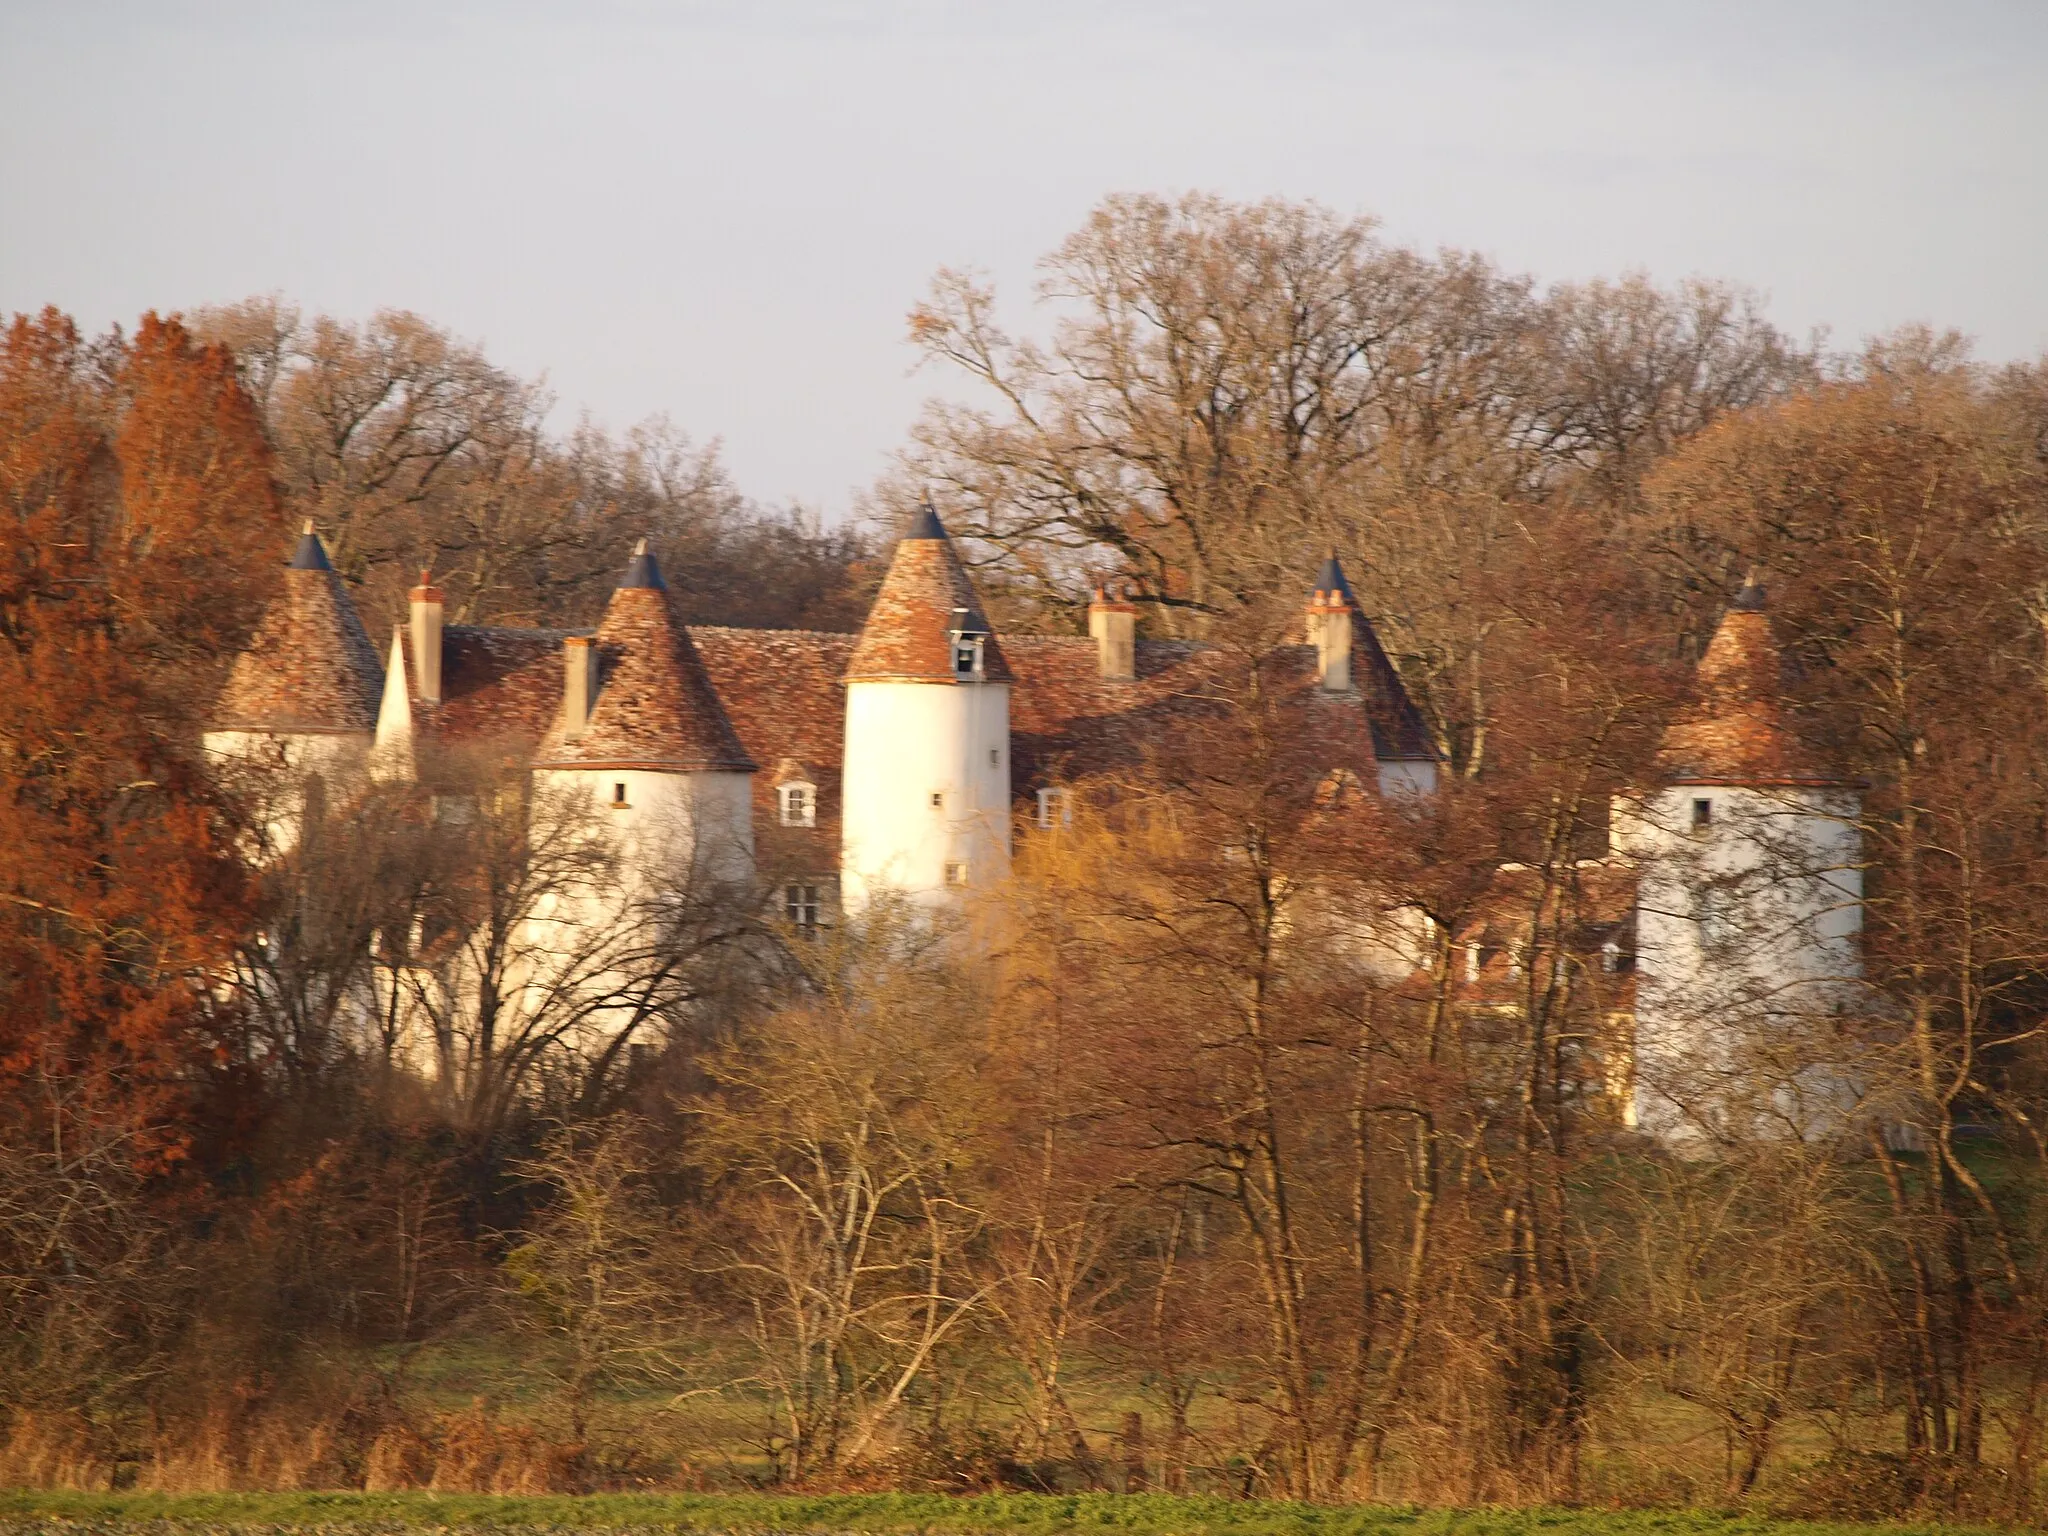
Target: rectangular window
[
  {"x": 799, "y": 805},
  {"x": 956, "y": 874},
  {"x": 995, "y": 757},
  {"x": 800, "y": 906},
  {"x": 1053, "y": 810},
  {"x": 618, "y": 797},
  {"x": 967, "y": 655},
  {"x": 1702, "y": 815},
  {"x": 938, "y": 799}
]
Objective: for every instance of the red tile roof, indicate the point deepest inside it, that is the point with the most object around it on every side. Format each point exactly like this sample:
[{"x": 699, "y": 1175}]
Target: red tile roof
[
  {"x": 1067, "y": 722},
  {"x": 310, "y": 668},
  {"x": 785, "y": 694},
  {"x": 908, "y": 632},
  {"x": 496, "y": 685},
  {"x": 656, "y": 708}
]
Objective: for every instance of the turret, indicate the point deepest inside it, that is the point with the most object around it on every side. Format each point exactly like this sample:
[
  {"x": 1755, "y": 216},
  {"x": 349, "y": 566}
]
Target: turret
[
  {"x": 926, "y": 793},
  {"x": 300, "y": 706},
  {"x": 641, "y": 733},
  {"x": 1749, "y": 904}
]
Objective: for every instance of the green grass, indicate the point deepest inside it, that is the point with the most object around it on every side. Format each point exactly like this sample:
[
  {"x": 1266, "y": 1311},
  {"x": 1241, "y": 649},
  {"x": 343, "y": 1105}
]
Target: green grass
[{"x": 84, "y": 1514}]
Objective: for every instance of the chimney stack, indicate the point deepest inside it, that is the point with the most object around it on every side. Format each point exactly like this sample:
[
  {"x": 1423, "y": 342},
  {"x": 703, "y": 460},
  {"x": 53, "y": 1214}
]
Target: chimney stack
[
  {"x": 579, "y": 681},
  {"x": 1113, "y": 624},
  {"x": 1329, "y": 631},
  {"x": 426, "y": 638}
]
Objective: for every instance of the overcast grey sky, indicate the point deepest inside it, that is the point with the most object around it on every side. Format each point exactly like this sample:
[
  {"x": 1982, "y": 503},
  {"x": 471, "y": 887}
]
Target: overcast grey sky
[{"x": 722, "y": 211}]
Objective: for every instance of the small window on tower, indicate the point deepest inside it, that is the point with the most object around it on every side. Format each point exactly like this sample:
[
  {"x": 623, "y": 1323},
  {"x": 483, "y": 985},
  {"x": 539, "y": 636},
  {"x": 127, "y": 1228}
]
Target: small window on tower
[
  {"x": 995, "y": 757},
  {"x": 1702, "y": 815},
  {"x": 618, "y": 797},
  {"x": 938, "y": 799},
  {"x": 956, "y": 874}
]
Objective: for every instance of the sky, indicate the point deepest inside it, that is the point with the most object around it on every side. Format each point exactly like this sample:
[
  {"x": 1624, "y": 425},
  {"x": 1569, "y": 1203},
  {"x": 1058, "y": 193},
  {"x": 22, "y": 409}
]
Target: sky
[{"x": 722, "y": 212}]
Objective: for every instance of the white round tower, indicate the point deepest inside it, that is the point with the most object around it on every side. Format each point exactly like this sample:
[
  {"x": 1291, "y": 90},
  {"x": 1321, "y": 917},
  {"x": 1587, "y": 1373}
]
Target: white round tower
[
  {"x": 1749, "y": 908},
  {"x": 926, "y": 787}
]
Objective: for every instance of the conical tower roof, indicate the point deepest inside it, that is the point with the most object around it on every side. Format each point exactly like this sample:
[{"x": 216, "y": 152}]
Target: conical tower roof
[
  {"x": 310, "y": 667},
  {"x": 925, "y": 597},
  {"x": 656, "y": 708},
  {"x": 1735, "y": 731}
]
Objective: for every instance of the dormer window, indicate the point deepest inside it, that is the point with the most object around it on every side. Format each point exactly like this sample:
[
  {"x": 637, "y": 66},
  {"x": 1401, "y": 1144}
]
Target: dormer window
[
  {"x": 1053, "y": 809},
  {"x": 798, "y": 804},
  {"x": 968, "y": 645}
]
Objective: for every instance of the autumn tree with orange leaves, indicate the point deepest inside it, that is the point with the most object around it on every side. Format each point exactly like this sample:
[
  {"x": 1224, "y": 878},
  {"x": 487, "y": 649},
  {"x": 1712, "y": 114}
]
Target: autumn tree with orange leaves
[{"x": 138, "y": 510}]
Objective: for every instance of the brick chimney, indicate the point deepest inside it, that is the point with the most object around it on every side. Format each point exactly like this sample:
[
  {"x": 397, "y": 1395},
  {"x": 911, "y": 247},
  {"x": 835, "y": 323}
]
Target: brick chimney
[
  {"x": 1329, "y": 631},
  {"x": 579, "y": 681},
  {"x": 426, "y": 638},
  {"x": 1113, "y": 624}
]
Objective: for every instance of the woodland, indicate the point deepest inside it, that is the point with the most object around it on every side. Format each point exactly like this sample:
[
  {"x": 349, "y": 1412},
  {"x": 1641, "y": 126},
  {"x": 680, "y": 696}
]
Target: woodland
[{"x": 1139, "y": 1181}]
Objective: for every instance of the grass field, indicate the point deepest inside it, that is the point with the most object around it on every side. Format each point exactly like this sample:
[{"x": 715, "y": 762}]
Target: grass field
[{"x": 925, "y": 1514}]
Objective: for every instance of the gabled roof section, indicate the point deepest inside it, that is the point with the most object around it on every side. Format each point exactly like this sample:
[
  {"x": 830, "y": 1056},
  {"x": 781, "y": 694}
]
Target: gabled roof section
[
  {"x": 925, "y": 596},
  {"x": 1735, "y": 731},
  {"x": 656, "y": 708},
  {"x": 785, "y": 693},
  {"x": 1398, "y": 732},
  {"x": 310, "y": 667}
]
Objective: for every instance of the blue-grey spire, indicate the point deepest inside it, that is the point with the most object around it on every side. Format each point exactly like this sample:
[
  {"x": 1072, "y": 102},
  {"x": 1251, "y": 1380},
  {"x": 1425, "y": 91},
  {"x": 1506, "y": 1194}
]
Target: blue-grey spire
[
  {"x": 641, "y": 571},
  {"x": 311, "y": 555},
  {"x": 925, "y": 525},
  {"x": 1331, "y": 579}
]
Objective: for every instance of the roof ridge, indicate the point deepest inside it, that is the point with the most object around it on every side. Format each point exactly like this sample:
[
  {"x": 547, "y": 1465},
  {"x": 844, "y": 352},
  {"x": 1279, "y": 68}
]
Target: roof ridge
[
  {"x": 515, "y": 629},
  {"x": 749, "y": 629}
]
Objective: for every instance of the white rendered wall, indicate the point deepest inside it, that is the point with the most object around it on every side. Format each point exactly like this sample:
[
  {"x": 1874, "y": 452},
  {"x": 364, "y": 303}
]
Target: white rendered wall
[
  {"x": 906, "y": 742},
  {"x": 1407, "y": 778},
  {"x": 674, "y": 830},
  {"x": 274, "y": 769},
  {"x": 676, "y": 835},
  {"x": 1746, "y": 952}
]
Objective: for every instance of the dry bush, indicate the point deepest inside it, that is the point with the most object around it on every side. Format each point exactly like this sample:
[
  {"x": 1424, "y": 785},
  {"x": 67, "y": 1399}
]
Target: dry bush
[
  {"x": 480, "y": 1454},
  {"x": 54, "y": 1450},
  {"x": 398, "y": 1458}
]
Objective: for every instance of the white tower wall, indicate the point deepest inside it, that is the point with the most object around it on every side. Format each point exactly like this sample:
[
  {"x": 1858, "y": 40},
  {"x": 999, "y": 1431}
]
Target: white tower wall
[
  {"x": 277, "y": 767},
  {"x": 906, "y": 743},
  {"x": 670, "y": 829},
  {"x": 1747, "y": 927}
]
